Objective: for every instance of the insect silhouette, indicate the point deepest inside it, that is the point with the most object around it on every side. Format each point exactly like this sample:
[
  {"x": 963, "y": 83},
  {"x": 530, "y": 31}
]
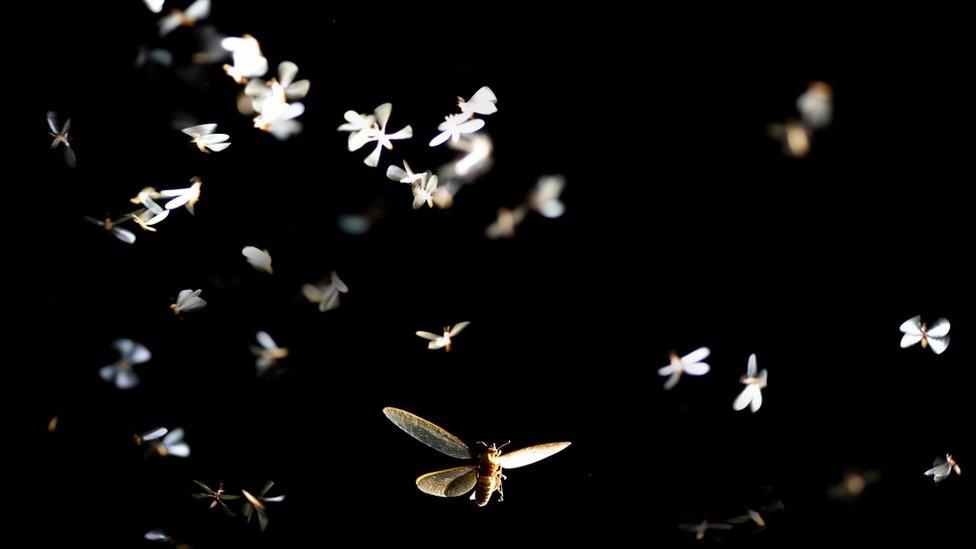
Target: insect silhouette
[{"x": 483, "y": 474}]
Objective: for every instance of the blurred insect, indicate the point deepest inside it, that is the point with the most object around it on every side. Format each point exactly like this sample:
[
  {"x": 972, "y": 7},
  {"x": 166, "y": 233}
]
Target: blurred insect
[
  {"x": 360, "y": 223},
  {"x": 268, "y": 352},
  {"x": 52, "y": 425},
  {"x": 794, "y": 136},
  {"x": 154, "y": 6},
  {"x": 284, "y": 88},
  {"x": 326, "y": 294},
  {"x": 423, "y": 191},
  {"x": 205, "y": 139},
  {"x": 482, "y": 102},
  {"x": 483, "y": 474},
  {"x": 216, "y": 497},
  {"x": 256, "y": 504},
  {"x": 247, "y": 59},
  {"x": 756, "y": 517},
  {"x": 149, "y": 436},
  {"x": 752, "y": 395},
  {"x": 187, "y": 302},
  {"x": 60, "y": 137},
  {"x": 477, "y": 157},
  {"x": 120, "y": 372},
  {"x": 506, "y": 222},
  {"x": 111, "y": 225},
  {"x": 691, "y": 364},
  {"x": 942, "y": 468},
  {"x": 544, "y": 198},
  {"x": 183, "y": 197},
  {"x": 163, "y": 537},
  {"x": 439, "y": 341},
  {"x": 404, "y": 174},
  {"x": 359, "y": 126},
  {"x": 378, "y": 134},
  {"x": 259, "y": 259},
  {"x": 816, "y": 105},
  {"x": 700, "y": 529},
  {"x": 936, "y": 336},
  {"x": 278, "y": 117},
  {"x": 149, "y": 58},
  {"x": 454, "y": 125},
  {"x": 853, "y": 485},
  {"x": 151, "y": 213},
  {"x": 172, "y": 444},
  {"x": 180, "y": 18}
]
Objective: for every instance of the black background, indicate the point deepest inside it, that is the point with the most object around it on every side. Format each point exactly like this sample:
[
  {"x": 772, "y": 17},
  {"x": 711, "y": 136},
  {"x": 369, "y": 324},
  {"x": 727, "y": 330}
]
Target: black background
[{"x": 685, "y": 226}]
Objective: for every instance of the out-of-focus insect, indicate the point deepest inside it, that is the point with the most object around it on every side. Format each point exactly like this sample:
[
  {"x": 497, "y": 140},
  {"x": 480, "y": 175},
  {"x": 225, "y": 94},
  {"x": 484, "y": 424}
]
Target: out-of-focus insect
[
  {"x": 506, "y": 222},
  {"x": 326, "y": 294},
  {"x": 216, "y": 497},
  {"x": 255, "y": 505},
  {"x": 257, "y": 258},
  {"x": 423, "y": 191},
  {"x": 267, "y": 351},
  {"x": 248, "y": 61},
  {"x": 439, "y": 341},
  {"x": 60, "y": 137},
  {"x": 361, "y": 222},
  {"x": 187, "y": 302},
  {"x": 277, "y": 117},
  {"x": 816, "y": 105},
  {"x": 756, "y": 517},
  {"x": 378, "y": 134},
  {"x": 484, "y": 474},
  {"x": 150, "y": 214},
  {"x": 936, "y": 336},
  {"x": 701, "y": 529},
  {"x": 111, "y": 225},
  {"x": 120, "y": 372},
  {"x": 482, "y": 102},
  {"x": 794, "y": 136},
  {"x": 752, "y": 395},
  {"x": 149, "y": 436},
  {"x": 172, "y": 444},
  {"x": 147, "y": 57},
  {"x": 163, "y": 537},
  {"x": 184, "y": 18},
  {"x": 943, "y": 466},
  {"x": 154, "y": 6},
  {"x": 853, "y": 485},
  {"x": 404, "y": 174},
  {"x": 544, "y": 198},
  {"x": 454, "y": 125},
  {"x": 205, "y": 139},
  {"x": 359, "y": 126},
  {"x": 691, "y": 364},
  {"x": 52, "y": 425},
  {"x": 183, "y": 197},
  {"x": 477, "y": 157},
  {"x": 284, "y": 88}
]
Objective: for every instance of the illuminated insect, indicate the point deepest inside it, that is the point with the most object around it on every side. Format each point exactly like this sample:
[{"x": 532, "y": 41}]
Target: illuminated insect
[
  {"x": 794, "y": 136},
  {"x": 423, "y": 191},
  {"x": 757, "y": 516},
  {"x": 404, "y": 174},
  {"x": 942, "y": 468},
  {"x": 259, "y": 259},
  {"x": 691, "y": 364},
  {"x": 172, "y": 444},
  {"x": 482, "y": 102},
  {"x": 483, "y": 475},
  {"x": 439, "y": 341},
  {"x": 120, "y": 372},
  {"x": 216, "y": 497},
  {"x": 149, "y": 436},
  {"x": 544, "y": 198},
  {"x": 506, "y": 222},
  {"x": 179, "y": 18},
  {"x": 454, "y": 125},
  {"x": 752, "y": 395},
  {"x": 52, "y": 425},
  {"x": 816, "y": 105},
  {"x": 268, "y": 353},
  {"x": 188, "y": 301},
  {"x": 205, "y": 139},
  {"x": 183, "y": 197},
  {"x": 936, "y": 336},
  {"x": 283, "y": 88},
  {"x": 378, "y": 134},
  {"x": 853, "y": 485},
  {"x": 255, "y": 504},
  {"x": 701, "y": 528},
  {"x": 151, "y": 213},
  {"x": 248, "y": 61},
  {"x": 111, "y": 225},
  {"x": 60, "y": 137},
  {"x": 277, "y": 117},
  {"x": 326, "y": 294},
  {"x": 359, "y": 126}
]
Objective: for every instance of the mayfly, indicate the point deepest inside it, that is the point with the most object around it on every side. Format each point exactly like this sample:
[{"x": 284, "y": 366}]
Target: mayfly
[
  {"x": 326, "y": 294},
  {"x": 482, "y": 102},
  {"x": 423, "y": 191},
  {"x": 691, "y": 364},
  {"x": 205, "y": 139},
  {"x": 378, "y": 134},
  {"x": 752, "y": 395},
  {"x": 183, "y": 197},
  {"x": 184, "y": 18},
  {"x": 935, "y": 336},
  {"x": 255, "y": 504},
  {"x": 60, "y": 137},
  {"x": 111, "y": 225},
  {"x": 701, "y": 528},
  {"x": 188, "y": 301},
  {"x": 268, "y": 352},
  {"x": 120, "y": 372},
  {"x": 943, "y": 466},
  {"x": 483, "y": 474},
  {"x": 439, "y": 341},
  {"x": 455, "y": 125},
  {"x": 257, "y": 258},
  {"x": 216, "y": 497}
]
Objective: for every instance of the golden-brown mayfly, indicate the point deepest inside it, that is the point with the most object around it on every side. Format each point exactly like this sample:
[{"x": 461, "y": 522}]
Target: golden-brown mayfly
[{"x": 484, "y": 474}]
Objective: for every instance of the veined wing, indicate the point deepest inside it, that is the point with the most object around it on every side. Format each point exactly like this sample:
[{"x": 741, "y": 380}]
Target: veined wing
[
  {"x": 428, "y": 433},
  {"x": 449, "y": 483},
  {"x": 532, "y": 454}
]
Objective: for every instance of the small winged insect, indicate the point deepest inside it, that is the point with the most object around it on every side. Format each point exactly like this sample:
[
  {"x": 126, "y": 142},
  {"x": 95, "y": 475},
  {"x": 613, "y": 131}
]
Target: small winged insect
[
  {"x": 816, "y": 105},
  {"x": 751, "y": 396},
  {"x": 326, "y": 294},
  {"x": 147, "y": 57},
  {"x": 120, "y": 372},
  {"x": 255, "y": 505},
  {"x": 277, "y": 117},
  {"x": 188, "y": 301},
  {"x": 484, "y": 472},
  {"x": 60, "y": 137},
  {"x": 455, "y": 125},
  {"x": 794, "y": 136},
  {"x": 149, "y": 436},
  {"x": 216, "y": 497},
  {"x": 172, "y": 444},
  {"x": 248, "y": 61},
  {"x": 482, "y": 102},
  {"x": 443, "y": 341},
  {"x": 853, "y": 485},
  {"x": 183, "y": 197},
  {"x": 163, "y": 537},
  {"x": 359, "y": 127},
  {"x": 506, "y": 222},
  {"x": 701, "y": 529},
  {"x": 267, "y": 351},
  {"x": 284, "y": 88},
  {"x": 423, "y": 191},
  {"x": 544, "y": 198},
  {"x": 205, "y": 139},
  {"x": 112, "y": 226},
  {"x": 257, "y": 258},
  {"x": 404, "y": 174},
  {"x": 184, "y": 18},
  {"x": 378, "y": 133},
  {"x": 943, "y": 466},
  {"x": 690, "y": 364},
  {"x": 52, "y": 425},
  {"x": 935, "y": 336},
  {"x": 150, "y": 214},
  {"x": 756, "y": 517},
  {"x": 154, "y": 6}
]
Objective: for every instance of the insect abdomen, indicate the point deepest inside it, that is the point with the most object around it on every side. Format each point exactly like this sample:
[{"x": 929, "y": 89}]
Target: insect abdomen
[{"x": 486, "y": 485}]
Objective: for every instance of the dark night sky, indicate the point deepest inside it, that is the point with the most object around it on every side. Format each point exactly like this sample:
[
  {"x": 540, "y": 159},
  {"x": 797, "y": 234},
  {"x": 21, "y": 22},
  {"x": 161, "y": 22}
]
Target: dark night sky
[{"x": 685, "y": 226}]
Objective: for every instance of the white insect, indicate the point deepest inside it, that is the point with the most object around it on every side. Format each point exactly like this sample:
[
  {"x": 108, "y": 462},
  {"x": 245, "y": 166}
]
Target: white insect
[
  {"x": 256, "y": 504},
  {"x": 205, "y": 139},
  {"x": 284, "y": 87},
  {"x": 154, "y": 6},
  {"x": 326, "y": 295},
  {"x": 268, "y": 352},
  {"x": 259, "y": 259},
  {"x": 454, "y": 125},
  {"x": 277, "y": 117},
  {"x": 482, "y": 102},
  {"x": 112, "y": 226},
  {"x": 60, "y": 137},
  {"x": 404, "y": 174},
  {"x": 545, "y": 197},
  {"x": 248, "y": 61},
  {"x": 752, "y": 395},
  {"x": 187, "y": 302},
  {"x": 150, "y": 436},
  {"x": 359, "y": 126},
  {"x": 506, "y": 222},
  {"x": 179, "y": 18},
  {"x": 158, "y": 535},
  {"x": 443, "y": 341},
  {"x": 816, "y": 105},
  {"x": 183, "y": 197},
  {"x": 936, "y": 336},
  {"x": 700, "y": 529},
  {"x": 423, "y": 191},
  {"x": 378, "y": 134},
  {"x": 120, "y": 372},
  {"x": 172, "y": 444},
  {"x": 690, "y": 364},
  {"x": 150, "y": 214},
  {"x": 943, "y": 466}
]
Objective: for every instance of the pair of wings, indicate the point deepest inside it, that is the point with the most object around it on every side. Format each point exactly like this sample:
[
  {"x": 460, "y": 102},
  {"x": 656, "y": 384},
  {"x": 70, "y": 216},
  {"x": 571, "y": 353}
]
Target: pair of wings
[
  {"x": 458, "y": 481},
  {"x": 190, "y": 300},
  {"x": 937, "y": 334},
  {"x": 433, "y": 337}
]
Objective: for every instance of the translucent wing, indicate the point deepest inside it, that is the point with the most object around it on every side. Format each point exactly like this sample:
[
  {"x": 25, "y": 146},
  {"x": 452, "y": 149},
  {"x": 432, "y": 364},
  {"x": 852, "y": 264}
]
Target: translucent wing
[
  {"x": 173, "y": 437},
  {"x": 428, "y": 335},
  {"x": 154, "y": 434},
  {"x": 358, "y": 139},
  {"x": 908, "y": 340},
  {"x": 183, "y": 296},
  {"x": 339, "y": 284},
  {"x": 912, "y": 326},
  {"x": 532, "y": 454},
  {"x": 217, "y": 147},
  {"x": 939, "y": 472},
  {"x": 940, "y": 328},
  {"x": 449, "y": 483},
  {"x": 198, "y": 10},
  {"x": 213, "y": 138},
  {"x": 124, "y": 347},
  {"x": 255, "y": 507},
  {"x": 696, "y": 368},
  {"x": 193, "y": 304},
  {"x": 757, "y": 398},
  {"x": 201, "y": 129},
  {"x": 405, "y": 133},
  {"x": 157, "y": 535},
  {"x": 124, "y": 235},
  {"x": 265, "y": 340},
  {"x": 382, "y": 114},
  {"x": 206, "y": 489},
  {"x": 744, "y": 398},
  {"x": 286, "y": 73},
  {"x": 259, "y": 259},
  {"x": 373, "y": 159},
  {"x": 139, "y": 353},
  {"x": 180, "y": 449},
  {"x": 751, "y": 368},
  {"x": 673, "y": 380},
  {"x": 52, "y": 121},
  {"x": 939, "y": 344},
  {"x": 428, "y": 433},
  {"x": 440, "y": 138},
  {"x": 69, "y": 156},
  {"x": 471, "y": 126},
  {"x": 396, "y": 173},
  {"x": 107, "y": 372},
  {"x": 697, "y": 355},
  {"x": 312, "y": 293},
  {"x": 458, "y": 327}
]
